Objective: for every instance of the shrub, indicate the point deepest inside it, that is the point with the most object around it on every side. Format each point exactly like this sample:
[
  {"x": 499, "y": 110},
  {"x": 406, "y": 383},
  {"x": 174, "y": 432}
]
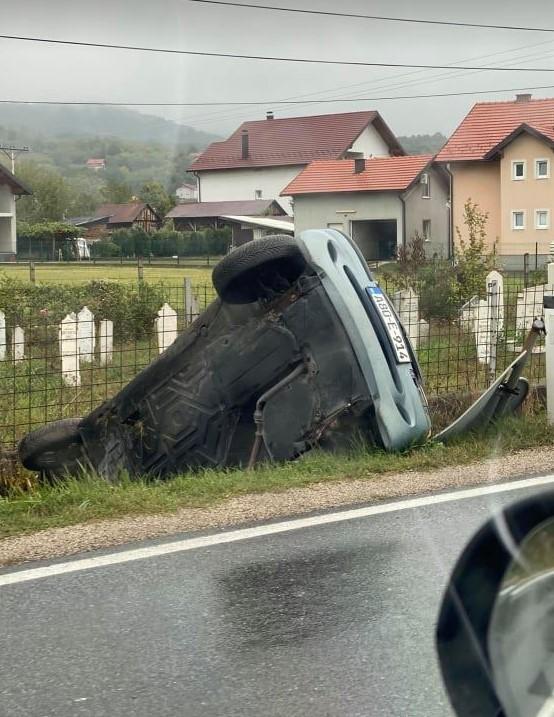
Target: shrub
[
  {"x": 474, "y": 259},
  {"x": 104, "y": 249},
  {"x": 439, "y": 291},
  {"x": 131, "y": 307}
]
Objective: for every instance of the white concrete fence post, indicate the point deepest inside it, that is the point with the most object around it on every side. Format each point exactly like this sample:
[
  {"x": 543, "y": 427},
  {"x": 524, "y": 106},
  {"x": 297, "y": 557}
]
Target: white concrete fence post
[
  {"x": 18, "y": 344},
  {"x": 69, "y": 350},
  {"x": 166, "y": 327},
  {"x": 495, "y": 310},
  {"x": 86, "y": 334},
  {"x": 2, "y": 336},
  {"x": 548, "y": 304},
  {"x": 191, "y": 304},
  {"x": 549, "y": 358},
  {"x": 106, "y": 342}
]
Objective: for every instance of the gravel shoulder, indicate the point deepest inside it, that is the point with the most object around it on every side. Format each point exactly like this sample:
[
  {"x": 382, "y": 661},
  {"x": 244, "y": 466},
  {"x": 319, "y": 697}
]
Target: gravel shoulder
[{"x": 57, "y": 542}]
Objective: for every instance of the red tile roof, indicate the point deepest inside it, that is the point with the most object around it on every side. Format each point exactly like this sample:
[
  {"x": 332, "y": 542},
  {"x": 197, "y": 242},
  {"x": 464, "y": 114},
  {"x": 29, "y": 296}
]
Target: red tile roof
[
  {"x": 247, "y": 207},
  {"x": 120, "y": 213},
  {"x": 380, "y": 175},
  {"x": 293, "y": 140},
  {"x": 488, "y": 123}
]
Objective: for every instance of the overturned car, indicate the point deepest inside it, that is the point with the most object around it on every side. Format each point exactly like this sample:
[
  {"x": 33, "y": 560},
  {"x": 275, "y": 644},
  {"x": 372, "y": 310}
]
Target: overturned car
[{"x": 301, "y": 339}]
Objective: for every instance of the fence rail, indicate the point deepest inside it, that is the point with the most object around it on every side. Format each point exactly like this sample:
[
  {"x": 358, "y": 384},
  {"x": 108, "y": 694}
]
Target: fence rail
[{"x": 62, "y": 361}]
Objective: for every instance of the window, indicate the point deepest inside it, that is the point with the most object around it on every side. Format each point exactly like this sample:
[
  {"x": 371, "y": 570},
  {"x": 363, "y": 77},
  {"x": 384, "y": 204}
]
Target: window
[
  {"x": 426, "y": 230},
  {"x": 425, "y": 185},
  {"x": 518, "y": 219},
  {"x": 518, "y": 169},
  {"x": 258, "y": 193},
  {"x": 542, "y": 169},
  {"x": 542, "y": 218}
]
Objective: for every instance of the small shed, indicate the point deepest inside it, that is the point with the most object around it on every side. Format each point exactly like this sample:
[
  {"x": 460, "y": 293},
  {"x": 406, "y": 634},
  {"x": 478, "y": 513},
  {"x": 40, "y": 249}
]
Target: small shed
[
  {"x": 244, "y": 229},
  {"x": 195, "y": 216}
]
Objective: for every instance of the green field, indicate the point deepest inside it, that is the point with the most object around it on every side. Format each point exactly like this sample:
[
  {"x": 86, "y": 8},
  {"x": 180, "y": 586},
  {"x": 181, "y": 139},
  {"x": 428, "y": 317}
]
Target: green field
[{"x": 79, "y": 273}]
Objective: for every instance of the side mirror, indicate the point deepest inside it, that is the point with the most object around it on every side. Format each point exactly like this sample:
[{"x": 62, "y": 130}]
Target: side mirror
[{"x": 495, "y": 632}]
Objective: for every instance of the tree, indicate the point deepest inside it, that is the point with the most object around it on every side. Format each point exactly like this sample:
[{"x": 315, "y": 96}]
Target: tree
[
  {"x": 51, "y": 195},
  {"x": 116, "y": 191},
  {"x": 155, "y": 194},
  {"x": 473, "y": 257}
]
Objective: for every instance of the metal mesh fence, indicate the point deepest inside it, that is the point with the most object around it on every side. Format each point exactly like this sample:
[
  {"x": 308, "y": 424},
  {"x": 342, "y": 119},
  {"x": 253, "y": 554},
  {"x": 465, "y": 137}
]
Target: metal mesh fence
[{"x": 52, "y": 368}]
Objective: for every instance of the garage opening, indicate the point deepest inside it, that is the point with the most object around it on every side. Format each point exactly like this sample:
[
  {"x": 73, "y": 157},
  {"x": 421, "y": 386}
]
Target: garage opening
[{"x": 376, "y": 238}]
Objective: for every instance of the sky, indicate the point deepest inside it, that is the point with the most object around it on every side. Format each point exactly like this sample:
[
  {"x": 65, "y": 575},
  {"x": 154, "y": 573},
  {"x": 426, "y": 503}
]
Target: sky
[{"x": 49, "y": 72}]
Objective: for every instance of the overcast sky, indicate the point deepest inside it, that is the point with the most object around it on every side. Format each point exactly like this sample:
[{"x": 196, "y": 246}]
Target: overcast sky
[{"x": 47, "y": 72}]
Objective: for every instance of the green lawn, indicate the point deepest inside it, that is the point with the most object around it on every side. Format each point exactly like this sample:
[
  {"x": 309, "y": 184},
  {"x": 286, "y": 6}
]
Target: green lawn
[{"x": 79, "y": 273}]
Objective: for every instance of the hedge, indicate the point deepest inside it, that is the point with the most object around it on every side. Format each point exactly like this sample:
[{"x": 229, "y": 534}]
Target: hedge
[
  {"x": 166, "y": 242},
  {"x": 132, "y": 307}
]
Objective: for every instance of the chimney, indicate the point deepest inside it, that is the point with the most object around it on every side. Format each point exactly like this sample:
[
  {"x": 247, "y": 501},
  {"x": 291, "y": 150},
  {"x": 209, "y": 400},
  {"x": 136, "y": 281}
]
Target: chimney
[
  {"x": 269, "y": 114},
  {"x": 523, "y": 98},
  {"x": 359, "y": 165},
  {"x": 245, "y": 148}
]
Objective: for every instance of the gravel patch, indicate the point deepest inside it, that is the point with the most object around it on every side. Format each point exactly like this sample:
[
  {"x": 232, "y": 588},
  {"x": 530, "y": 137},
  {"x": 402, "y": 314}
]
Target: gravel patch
[{"x": 56, "y": 542}]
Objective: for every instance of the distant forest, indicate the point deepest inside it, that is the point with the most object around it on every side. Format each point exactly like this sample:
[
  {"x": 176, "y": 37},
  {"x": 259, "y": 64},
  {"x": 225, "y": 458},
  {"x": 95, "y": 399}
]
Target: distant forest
[
  {"x": 146, "y": 157},
  {"x": 423, "y": 143}
]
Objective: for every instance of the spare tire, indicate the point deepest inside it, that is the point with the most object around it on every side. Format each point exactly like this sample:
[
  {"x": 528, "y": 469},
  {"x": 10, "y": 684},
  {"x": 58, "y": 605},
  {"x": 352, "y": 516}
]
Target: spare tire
[
  {"x": 262, "y": 268},
  {"x": 54, "y": 449}
]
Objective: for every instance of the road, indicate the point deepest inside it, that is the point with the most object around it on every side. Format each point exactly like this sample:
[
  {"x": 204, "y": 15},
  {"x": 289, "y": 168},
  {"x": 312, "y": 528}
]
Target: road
[{"x": 307, "y": 618}]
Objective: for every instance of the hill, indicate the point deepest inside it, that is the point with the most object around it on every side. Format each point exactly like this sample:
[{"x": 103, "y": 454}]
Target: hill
[
  {"x": 19, "y": 121},
  {"x": 422, "y": 143}
]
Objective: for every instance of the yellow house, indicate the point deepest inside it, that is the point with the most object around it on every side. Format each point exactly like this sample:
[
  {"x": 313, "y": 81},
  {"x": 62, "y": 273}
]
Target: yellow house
[{"x": 501, "y": 157}]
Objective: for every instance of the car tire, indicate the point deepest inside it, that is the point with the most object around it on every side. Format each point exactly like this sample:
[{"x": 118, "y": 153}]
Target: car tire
[
  {"x": 54, "y": 448},
  {"x": 262, "y": 268}
]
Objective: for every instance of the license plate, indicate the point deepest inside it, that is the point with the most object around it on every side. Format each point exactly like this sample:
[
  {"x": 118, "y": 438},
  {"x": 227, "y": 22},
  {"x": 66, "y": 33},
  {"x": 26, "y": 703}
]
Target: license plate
[{"x": 390, "y": 322}]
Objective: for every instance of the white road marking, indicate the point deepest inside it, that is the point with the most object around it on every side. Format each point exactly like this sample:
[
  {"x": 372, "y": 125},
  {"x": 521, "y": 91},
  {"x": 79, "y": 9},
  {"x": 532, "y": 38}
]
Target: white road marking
[{"x": 233, "y": 536}]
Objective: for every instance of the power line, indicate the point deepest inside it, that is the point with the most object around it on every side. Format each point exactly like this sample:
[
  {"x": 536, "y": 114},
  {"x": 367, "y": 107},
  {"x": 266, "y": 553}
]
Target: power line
[
  {"x": 271, "y": 102},
  {"x": 391, "y": 82},
  {"x": 384, "y": 18},
  {"x": 270, "y": 58}
]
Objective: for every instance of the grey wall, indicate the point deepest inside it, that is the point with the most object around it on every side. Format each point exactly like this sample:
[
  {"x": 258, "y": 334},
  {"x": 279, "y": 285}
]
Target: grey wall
[
  {"x": 317, "y": 211},
  {"x": 435, "y": 209}
]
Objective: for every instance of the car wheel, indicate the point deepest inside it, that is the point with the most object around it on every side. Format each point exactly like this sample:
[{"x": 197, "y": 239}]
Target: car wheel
[
  {"x": 53, "y": 449},
  {"x": 262, "y": 268}
]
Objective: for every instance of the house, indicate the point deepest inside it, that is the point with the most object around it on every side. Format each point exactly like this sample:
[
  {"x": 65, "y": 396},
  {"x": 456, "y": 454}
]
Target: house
[
  {"x": 380, "y": 202},
  {"x": 187, "y": 193},
  {"x": 96, "y": 164},
  {"x": 204, "y": 215},
  {"x": 500, "y": 156},
  {"x": 109, "y": 217},
  {"x": 10, "y": 189},
  {"x": 262, "y": 157}
]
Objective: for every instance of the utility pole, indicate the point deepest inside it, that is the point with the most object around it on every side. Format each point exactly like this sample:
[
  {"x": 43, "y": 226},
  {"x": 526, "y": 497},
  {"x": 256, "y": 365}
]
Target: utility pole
[{"x": 11, "y": 153}]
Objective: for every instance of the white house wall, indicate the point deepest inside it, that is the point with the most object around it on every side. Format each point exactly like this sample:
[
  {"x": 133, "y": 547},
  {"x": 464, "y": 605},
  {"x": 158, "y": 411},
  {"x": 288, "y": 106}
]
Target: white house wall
[
  {"x": 239, "y": 184},
  {"x": 371, "y": 144},
  {"x": 319, "y": 211},
  {"x": 7, "y": 224}
]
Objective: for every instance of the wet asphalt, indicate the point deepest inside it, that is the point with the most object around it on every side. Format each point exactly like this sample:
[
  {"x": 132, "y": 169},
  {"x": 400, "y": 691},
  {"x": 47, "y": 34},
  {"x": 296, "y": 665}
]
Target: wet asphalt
[{"x": 328, "y": 620}]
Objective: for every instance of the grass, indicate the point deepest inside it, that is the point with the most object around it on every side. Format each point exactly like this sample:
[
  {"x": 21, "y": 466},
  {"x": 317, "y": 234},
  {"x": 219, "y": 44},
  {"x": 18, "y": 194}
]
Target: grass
[
  {"x": 86, "y": 499},
  {"x": 32, "y": 392},
  {"x": 79, "y": 273}
]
